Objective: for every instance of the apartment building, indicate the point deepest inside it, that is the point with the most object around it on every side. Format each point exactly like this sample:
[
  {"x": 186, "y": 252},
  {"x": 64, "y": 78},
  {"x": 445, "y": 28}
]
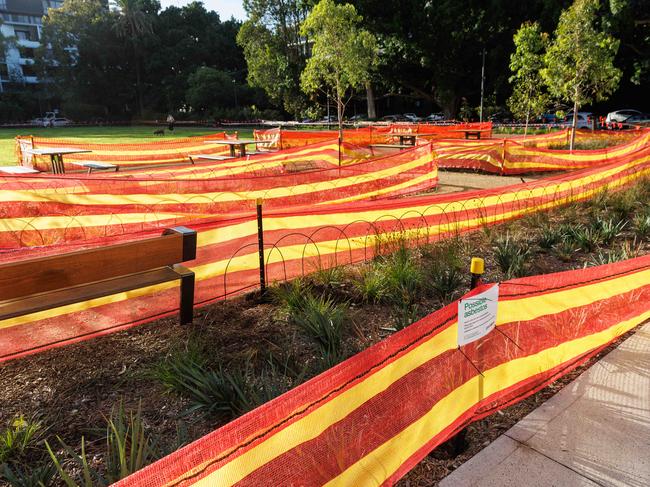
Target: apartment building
[{"x": 21, "y": 23}]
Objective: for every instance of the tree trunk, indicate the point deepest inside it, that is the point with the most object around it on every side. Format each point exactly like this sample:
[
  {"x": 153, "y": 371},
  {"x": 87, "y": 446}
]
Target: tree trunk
[
  {"x": 573, "y": 124},
  {"x": 370, "y": 99},
  {"x": 526, "y": 125},
  {"x": 449, "y": 106},
  {"x": 339, "y": 109}
]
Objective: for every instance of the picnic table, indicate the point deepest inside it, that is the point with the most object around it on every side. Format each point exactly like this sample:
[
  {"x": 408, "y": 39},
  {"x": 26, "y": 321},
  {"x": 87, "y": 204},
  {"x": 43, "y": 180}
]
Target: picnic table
[
  {"x": 56, "y": 155},
  {"x": 18, "y": 170},
  {"x": 407, "y": 139},
  {"x": 471, "y": 133},
  {"x": 239, "y": 143},
  {"x": 392, "y": 146}
]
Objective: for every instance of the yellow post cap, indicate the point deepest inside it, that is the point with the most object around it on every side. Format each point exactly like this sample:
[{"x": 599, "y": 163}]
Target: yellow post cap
[
  {"x": 477, "y": 266},
  {"x": 259, "y": 201}
]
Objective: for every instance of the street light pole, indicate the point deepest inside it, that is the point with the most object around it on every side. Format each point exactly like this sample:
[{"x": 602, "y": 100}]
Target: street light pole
[
  {"x": 482, "y": 86},
  {"x": 234, "y": 85}
]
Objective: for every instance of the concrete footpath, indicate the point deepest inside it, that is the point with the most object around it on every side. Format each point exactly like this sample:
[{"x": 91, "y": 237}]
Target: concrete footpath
[{"x": 594, "y": 432}]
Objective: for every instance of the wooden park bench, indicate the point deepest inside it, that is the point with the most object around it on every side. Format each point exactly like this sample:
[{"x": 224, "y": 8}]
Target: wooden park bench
[
  {"x": 33, "y": 285},
  {"x": 208, "y": 157},
  {"x": 96, "y": 166},
  {"x": 392, "y": 146}
]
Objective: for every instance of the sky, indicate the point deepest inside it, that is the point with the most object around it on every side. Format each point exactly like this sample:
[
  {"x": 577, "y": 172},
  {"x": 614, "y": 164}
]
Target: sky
[{"x": 225, "y": 8}]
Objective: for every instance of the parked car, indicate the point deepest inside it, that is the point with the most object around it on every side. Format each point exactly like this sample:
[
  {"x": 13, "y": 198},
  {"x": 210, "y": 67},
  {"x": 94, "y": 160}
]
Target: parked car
[
  {"x": 412, "y": 117},
  {"x": 51, "y": 121},
  {"x": 583, "y": 122},
  {"x": 548, "y": 118},
  {"x": 435, "y": 117},
  {"x": 621, "y": 115},
  {"x": 390, "y": 118},
  {"x": 358, "y": 118},
  {"x": 329, "y": 119},
  {"x": 500, "y": 117},
  {"x": 641, "y": 118},
  {"x": 60, "y": 122}
]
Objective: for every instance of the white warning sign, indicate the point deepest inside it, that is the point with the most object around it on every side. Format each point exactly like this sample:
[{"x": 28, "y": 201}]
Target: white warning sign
[{"x": 477, "y": 315}]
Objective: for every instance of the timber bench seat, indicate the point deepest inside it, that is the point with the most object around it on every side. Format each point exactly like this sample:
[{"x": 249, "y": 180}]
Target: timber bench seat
[
  {"x": 392, "y": 146},
  {"x": 97, "y": 166},
  {"x": 43, "y": 283},
  {"x": 208, "y": 157}
]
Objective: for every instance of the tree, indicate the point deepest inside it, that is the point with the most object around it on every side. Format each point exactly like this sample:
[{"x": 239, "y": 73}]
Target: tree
[
  {"x": 274, "y": 49},
  {"x": 82, "y": 60},
  {"x": 343, "y": 54},
  {"x": 132, "y": 25},
  {"x": 432, "y": 50},
  {"x": 209, "y": 88},
  {"x": 580, "y": 60},
  {"x": 186, "y": 38},
  {"x": 529, "y": 97}
]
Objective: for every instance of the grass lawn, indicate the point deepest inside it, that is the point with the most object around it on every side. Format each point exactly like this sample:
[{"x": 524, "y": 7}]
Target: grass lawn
[{"x": 108, "y": 135}]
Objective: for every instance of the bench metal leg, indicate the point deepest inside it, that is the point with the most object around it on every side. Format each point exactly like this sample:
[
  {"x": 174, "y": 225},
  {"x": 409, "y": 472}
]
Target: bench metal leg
[{"x": 187, "y": 294}]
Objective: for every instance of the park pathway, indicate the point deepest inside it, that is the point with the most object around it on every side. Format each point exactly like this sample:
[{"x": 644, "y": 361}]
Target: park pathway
[{"x": 594, "y": 432}]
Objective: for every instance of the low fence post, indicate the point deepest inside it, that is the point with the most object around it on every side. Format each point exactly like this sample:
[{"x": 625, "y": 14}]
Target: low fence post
[
  {"x": 260, "y": 245},
  {"x": 476, "y": 269}
]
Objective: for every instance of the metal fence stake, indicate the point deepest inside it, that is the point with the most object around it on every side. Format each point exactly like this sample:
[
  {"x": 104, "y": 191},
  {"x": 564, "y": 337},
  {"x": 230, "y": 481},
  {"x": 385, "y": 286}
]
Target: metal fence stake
[{"x": 260, "y": 245}]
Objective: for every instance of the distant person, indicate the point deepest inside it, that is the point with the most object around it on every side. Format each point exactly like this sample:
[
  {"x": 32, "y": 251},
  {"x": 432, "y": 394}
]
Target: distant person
[{"x": 170, "y": 122}]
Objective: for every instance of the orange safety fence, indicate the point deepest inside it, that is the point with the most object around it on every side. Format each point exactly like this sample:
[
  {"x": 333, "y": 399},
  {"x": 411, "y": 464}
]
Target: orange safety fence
[
  {"x": 169, "y": 151},
  {"x": 46, "y": 210},
  {"x": 298, "y": 240},
  {"x": 372, "y": 418},
  {"x": 321, "y": 155},
  {"x": 281, "y": 139},
  {"x": 517, "y": 155}
]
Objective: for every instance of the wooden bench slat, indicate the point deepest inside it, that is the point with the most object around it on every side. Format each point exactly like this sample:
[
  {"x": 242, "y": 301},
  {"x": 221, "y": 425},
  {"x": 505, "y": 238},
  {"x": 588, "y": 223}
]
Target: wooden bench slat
[
  {"x": 54, "y": 299},
  {"x": 44, "y": 274}
]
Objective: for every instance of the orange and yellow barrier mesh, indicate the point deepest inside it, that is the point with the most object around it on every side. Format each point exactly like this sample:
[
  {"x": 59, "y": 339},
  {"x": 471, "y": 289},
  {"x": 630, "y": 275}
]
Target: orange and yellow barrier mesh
[
  {"x": 281, "y": 139},
  {"x": 518, "y": 155},
  {"x": 172, "y": 151},
  {"x": 46, "y": 210},
  {"x": 298, "y": 240},
  {"x": 370, "y": 419}
]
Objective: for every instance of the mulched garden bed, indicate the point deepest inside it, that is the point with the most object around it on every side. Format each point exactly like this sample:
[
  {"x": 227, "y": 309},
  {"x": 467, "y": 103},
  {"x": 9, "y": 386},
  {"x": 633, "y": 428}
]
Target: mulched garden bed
[{"x": 72, "y": 390}]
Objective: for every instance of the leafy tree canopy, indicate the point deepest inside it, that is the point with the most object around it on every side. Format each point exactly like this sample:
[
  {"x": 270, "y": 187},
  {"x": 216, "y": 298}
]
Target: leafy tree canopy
[
  {"x": 580, "y": 60},
  {"x": 343, "y": 54},
  {"x": 529, "y": 97}
]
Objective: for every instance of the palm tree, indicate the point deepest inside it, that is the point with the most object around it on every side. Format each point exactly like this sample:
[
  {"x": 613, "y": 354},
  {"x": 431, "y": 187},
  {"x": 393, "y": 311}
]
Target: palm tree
[{"x": 132, "y": 25}]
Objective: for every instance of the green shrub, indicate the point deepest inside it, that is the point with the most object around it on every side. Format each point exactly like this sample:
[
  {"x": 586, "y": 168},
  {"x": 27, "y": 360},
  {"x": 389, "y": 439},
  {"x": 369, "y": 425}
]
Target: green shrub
[
  {"x": 405, "y": 314},
  {"x": 129, "y": 448},
  {"x": 39, "y": 475},
  {"x": 511, "y": 256},
  {"x": 445, "y": 282},
  {"x": 565, "y": 250},
  {"x": 16, "y": 439},
  {"x": 622, "y": 204},
  {"x": 328, "y": 277},
  {"x": 551, "y": 235},
  {"x": 324, "y": 321},
  {"x": 402, "y": 275},
  {"x": 371, "y": 285},
  {"x": 608, "y": 229},
  {"x": 210, "y": 391},
  {"x": 642, "y": 224},
  {"x": 290, "y": 297},
  {"x": 586, "y": 238}
]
